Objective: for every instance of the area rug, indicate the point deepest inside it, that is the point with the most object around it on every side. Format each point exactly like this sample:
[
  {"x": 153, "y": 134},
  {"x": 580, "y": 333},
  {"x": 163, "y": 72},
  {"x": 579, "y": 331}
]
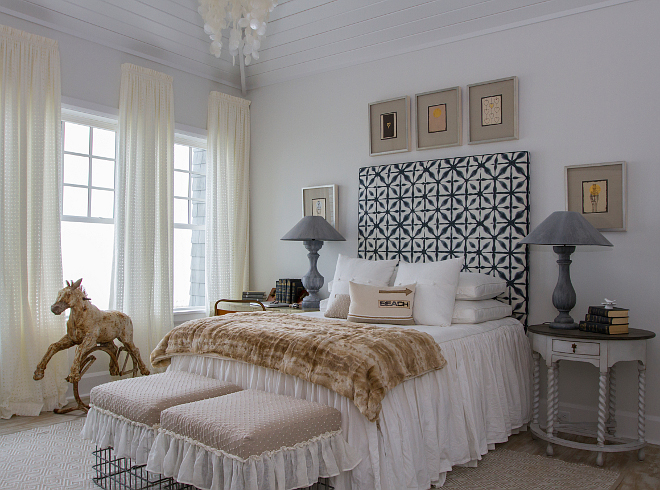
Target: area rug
[
  {"x": 51, "y": 457},
  {"x": 55, "y": 457},
  {"x": 511, "y": 470}
]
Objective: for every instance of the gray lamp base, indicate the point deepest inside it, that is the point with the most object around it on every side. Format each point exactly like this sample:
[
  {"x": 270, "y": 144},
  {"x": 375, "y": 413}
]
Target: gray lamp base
[
  {"x": 563, "y": 297},
  {"x": 313, "y": 280},
  {"x": 563, "y": 326}
]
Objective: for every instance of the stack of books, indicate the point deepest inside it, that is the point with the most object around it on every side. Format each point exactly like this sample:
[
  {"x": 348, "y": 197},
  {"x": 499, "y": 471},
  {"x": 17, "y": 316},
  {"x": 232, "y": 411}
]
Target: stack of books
[
  {"x": 607, "y": 321},
  {"x": 254, "y": 295},
  {"x": 288, "y": 291}
]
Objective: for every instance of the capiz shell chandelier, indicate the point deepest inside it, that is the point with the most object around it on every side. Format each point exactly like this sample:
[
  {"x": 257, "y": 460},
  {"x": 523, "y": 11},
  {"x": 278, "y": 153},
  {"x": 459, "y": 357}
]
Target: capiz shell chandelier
[{"x": 247, "y": 20}]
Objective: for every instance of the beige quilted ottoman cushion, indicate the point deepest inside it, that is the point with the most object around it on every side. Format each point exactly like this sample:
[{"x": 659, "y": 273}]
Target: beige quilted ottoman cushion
[
  {"x": 143, "y": 399},
  {"x": 250, "y": 422}
]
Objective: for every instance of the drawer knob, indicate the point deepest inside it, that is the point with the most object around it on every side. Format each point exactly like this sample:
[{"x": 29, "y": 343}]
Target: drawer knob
[{"x": 574, "y": 347}]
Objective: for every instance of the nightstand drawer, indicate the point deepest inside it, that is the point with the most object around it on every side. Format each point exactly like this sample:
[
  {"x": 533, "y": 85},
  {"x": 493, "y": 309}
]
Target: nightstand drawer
[{"x": 571, "y": 347}]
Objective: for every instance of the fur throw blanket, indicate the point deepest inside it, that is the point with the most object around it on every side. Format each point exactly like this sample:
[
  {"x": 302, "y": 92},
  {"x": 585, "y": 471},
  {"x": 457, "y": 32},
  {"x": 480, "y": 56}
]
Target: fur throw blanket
[{"x": 359, "y": 361}]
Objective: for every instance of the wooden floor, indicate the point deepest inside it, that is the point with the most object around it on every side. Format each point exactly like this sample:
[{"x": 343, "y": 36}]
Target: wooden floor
[{"x": 636, "y": 475}]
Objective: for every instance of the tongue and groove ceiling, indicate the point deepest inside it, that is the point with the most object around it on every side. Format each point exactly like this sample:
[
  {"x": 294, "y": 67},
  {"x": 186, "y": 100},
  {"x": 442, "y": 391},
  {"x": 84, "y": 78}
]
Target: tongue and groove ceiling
[{"x": 303, "y": 36}]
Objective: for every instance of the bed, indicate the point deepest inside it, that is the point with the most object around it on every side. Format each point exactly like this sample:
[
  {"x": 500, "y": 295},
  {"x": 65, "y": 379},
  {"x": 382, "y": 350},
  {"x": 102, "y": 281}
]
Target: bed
[{"x": 471, "y": 207}]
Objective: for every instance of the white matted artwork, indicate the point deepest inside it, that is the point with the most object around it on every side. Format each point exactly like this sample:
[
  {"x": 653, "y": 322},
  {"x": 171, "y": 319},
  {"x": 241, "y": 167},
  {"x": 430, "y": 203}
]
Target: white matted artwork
[
  {"x": 493, "y": 111},
  {"x": 321, "y": 201},
  {"x": 439, "y": 118},
  {"x": 389, "y": 126},
  {"x": 598, "y": 192}
]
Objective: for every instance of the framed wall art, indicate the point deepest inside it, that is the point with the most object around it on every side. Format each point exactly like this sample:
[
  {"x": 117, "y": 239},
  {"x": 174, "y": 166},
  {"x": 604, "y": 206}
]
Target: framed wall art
[
  {"x": 389, "y": 126},
  {"x": 493, "y": 112},
  {"x": 321, "y": 201},
  {"x": 598, "y": 192},
  {"x": 439, "y": 122}
]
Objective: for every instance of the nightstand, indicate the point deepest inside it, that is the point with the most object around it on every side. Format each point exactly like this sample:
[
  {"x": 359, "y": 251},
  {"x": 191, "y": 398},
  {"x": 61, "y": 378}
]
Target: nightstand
[
  {"x": 287, "y": 309},
  {"x": 603, "y": 351}
]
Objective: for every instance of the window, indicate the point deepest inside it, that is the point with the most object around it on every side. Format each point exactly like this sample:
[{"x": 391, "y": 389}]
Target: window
[
  {"x": 88, "y": 203},
  {"x": 189, "y": 220}
]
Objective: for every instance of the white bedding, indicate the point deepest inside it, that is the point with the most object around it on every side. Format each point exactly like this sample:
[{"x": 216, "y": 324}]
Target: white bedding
[{"x": 428, "y": 424}]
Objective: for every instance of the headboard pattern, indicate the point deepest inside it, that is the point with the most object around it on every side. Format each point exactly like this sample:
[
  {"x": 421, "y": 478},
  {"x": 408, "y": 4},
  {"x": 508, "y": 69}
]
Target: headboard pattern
[{"x": 476, "y": 207}]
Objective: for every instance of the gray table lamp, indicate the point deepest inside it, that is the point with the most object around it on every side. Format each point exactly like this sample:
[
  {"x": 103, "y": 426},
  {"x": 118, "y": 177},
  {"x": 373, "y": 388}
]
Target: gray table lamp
[
  {"x": 313, "y": 231},
  {"x": 565, "y": 230}
]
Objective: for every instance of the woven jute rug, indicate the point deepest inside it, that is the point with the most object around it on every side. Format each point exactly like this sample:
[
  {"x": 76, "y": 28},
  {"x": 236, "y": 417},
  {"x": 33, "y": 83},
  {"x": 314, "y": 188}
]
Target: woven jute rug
[
  {"x": 510, "y": 470},
  {"x": 55, "y": 457}
]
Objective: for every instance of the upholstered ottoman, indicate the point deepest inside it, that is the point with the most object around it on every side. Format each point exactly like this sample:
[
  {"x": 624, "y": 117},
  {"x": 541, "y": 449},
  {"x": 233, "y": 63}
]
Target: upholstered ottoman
[
  {"x": 251, "y": 440},
  {"x": 125, "y": 414}
]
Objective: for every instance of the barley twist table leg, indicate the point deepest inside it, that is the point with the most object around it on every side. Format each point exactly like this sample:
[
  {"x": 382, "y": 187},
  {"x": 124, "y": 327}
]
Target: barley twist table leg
[
  {"x": 537, "y": 387},
  {"x": 641, "y": 408},
  {"x": 611, "y": 420},
  {"x": 602, "y": 413},
  {"x": 555, "y": 402},
  {"x": 552, "y": 390}
]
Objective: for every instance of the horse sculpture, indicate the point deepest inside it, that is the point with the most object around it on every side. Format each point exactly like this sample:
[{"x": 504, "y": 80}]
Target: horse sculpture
[{"x": 89, "y": 327}]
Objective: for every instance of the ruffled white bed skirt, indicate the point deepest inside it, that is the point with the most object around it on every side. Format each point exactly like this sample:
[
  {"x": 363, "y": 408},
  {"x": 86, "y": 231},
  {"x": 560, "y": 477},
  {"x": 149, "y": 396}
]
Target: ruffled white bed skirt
[
  {"x": 189, "y": 461},
  {"x": 127, "y": 438},
  {"x": 428, "y": 424}
]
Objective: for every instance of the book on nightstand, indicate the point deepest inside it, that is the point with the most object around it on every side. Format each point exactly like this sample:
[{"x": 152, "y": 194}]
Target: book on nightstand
[
  {"x": 621, "y": 320},
  {"x": 609, "y": 313},
  {"x": 604, "y": 328}
]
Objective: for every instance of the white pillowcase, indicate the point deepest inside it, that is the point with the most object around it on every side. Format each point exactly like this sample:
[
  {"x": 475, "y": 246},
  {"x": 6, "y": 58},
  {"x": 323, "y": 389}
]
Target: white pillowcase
[
  {"x": 361, "y": 271},
  {"x": 381, "y": 304},
  {"x": 476, "y": 286},
  {"x": 480, "y": 311},
  {"x": 436, "y": 289}
]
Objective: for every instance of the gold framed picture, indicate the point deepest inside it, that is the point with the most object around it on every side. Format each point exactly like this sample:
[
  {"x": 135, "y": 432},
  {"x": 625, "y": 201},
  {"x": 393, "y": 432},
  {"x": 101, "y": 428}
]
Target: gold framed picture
[
  {"x": 321, "y": 201},
  {"x": 389, "y": 126},
  {"x": 598, "y": 192},
  {"x": 493, "y": 111},
  {"x": 439, "y": 122}
]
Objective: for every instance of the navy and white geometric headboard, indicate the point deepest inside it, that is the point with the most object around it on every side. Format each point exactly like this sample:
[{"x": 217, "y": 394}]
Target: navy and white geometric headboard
[{"x": 472, "y": 207}]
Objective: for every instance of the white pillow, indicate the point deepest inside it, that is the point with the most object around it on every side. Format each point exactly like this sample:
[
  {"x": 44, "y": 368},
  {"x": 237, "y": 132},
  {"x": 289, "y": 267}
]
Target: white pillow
[
  {"x": 436, "y": 289},
  {"x": 480, "y": 311},
  {"x": 362, "y": 271},
  {"x": 381, "y": 304},
  {"x": 339, "y": 307},
  {"x": 475, "y": 286}
]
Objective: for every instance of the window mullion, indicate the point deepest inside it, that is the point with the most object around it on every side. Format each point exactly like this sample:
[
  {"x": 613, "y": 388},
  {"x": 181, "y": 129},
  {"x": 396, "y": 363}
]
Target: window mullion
[{"x": 89, "y": 175}]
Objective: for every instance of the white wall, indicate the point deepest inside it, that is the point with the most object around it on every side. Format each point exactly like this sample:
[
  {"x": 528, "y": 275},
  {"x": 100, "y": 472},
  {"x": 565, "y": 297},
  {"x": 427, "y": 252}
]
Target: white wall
[{"x": 588, "y": 94}]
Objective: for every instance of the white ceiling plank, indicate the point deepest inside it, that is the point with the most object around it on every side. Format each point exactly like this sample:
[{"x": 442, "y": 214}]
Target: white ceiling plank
[
  {"x": 412, "y": 42},
  {"x": 52, "y": 19},
  {"x": 393, "y": 27}
]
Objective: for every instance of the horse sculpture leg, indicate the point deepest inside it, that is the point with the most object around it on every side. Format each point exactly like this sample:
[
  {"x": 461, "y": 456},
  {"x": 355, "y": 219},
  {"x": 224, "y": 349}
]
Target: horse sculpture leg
[
  {"x": 62, "y": 344},
  {"x": 87, "y": 343},
  {"x": 127, "y": 339}
]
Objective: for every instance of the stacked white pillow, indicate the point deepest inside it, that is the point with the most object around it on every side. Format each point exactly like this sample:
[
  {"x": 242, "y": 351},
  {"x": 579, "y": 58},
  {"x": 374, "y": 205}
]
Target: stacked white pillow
[
  {"x": 361, "y": 271},
  {"x": 474, "y": 303},
  {"x": 436, "y": 289}
]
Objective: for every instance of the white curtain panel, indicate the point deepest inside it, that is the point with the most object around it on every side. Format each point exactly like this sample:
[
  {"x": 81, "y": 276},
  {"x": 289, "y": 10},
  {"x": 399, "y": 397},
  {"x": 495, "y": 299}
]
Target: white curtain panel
[
  {"x": 227, "y": 197},
  {"x": 142, "y": 263},
  {"x": 30, "y": 254}
]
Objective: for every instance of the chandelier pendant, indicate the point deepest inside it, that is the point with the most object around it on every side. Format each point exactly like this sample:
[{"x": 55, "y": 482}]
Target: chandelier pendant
[{"x": 246, "y": 19}]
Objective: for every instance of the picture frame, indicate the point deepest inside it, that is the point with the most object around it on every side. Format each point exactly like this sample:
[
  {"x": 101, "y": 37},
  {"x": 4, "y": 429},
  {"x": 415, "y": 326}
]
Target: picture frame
[
  {"x": 493, "y": 111},
  {"x": 389, "y": 126},
  {"x": 321, "y": 201},
  {"x": 598, "y": 192},
  {"x": 439, "y": 118}
]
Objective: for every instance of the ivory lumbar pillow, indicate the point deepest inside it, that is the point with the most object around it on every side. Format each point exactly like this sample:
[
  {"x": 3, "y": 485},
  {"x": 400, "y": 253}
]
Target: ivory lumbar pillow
[
  {"x": 476, "y": 286},
  {"x": 381, "y": 304},
  {"x": 436, "y": 289}
]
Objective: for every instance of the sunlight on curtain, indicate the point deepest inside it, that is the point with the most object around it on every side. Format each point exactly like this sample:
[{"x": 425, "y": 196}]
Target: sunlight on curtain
[
  {"x": 30, "y": 257},
  {"x": 142, "y": 263},
  {"x": 227, "y": 197}
]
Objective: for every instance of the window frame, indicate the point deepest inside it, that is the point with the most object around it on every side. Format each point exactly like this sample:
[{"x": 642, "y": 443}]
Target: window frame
[{"x": 93, "y": 121}]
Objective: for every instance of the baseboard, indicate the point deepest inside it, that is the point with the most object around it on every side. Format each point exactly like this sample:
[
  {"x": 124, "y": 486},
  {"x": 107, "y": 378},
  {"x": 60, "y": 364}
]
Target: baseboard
[
  {"x": 89, "y": 381},
  {"x": 626, "y": 421}
]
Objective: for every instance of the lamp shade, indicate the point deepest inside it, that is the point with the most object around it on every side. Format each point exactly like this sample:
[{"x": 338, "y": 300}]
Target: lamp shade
[
  {"x": 313, "y": 228},
  {"x": 566, "y": 228}
]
